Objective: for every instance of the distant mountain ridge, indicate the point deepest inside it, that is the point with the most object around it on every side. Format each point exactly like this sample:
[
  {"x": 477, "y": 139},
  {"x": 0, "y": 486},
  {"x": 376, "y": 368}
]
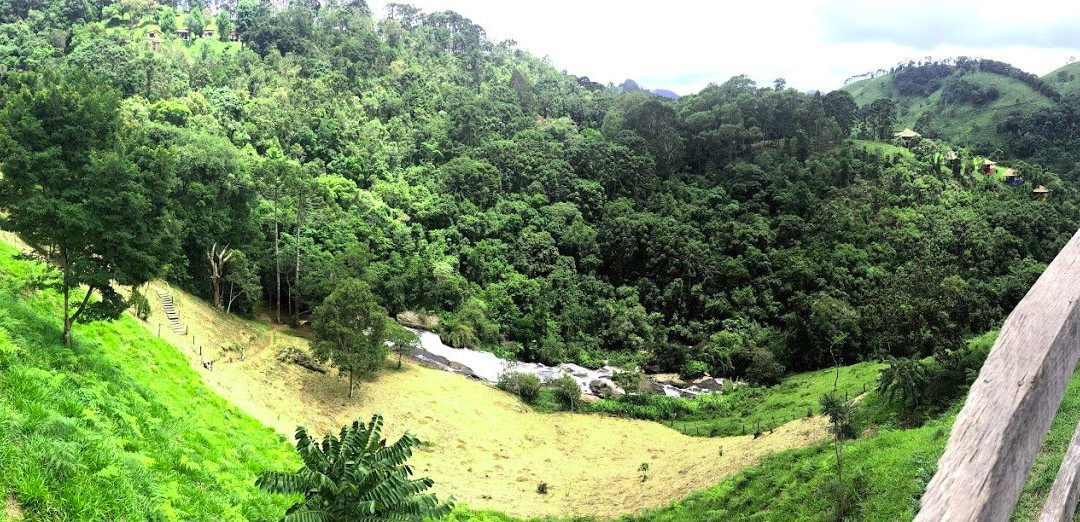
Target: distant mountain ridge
[{"x": 631, "y": 85}]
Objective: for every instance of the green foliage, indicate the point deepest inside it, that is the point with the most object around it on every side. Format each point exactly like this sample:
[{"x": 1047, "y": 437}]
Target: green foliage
[
  {"x": 196, "y": 22},
  {"x": 224, "y": 24},
  {"x": 74, "y": 191},
  {"x": 739, "y": 407},
  {"x": 524, "y": 385},
  {"x": 904, "y": 381},
  {"x": 548, "y": 217},
  {"x": 139, "y": 304},
  {"x": 117, "y": 426},
  {"x": 167, "y": 21},
  {"x": 350, "y": 330},
  {"x": 355, "y": 476},
  {"x": 568, "y": 392},
  {"x": 693, "y": 370},
  {"x": 402, "y": 342}
]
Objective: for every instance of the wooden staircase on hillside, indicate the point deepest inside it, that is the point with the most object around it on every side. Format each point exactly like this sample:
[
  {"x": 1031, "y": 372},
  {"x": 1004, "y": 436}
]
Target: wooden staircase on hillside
[{"x": 169, "y": 306}]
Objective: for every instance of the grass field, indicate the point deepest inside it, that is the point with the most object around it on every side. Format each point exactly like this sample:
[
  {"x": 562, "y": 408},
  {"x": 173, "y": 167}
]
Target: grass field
[
  {"x": 485, "y": 447},
  {"x": 117, "y": 427},
  {"x": 747, "y": 409}
]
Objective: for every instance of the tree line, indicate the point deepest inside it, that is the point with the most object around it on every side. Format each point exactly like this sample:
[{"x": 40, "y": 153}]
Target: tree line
[{"x": 541, "y": 215}]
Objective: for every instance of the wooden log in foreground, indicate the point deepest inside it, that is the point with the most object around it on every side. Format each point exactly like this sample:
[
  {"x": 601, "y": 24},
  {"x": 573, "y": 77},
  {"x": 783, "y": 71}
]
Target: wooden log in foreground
[
  {"x": 1061, "y": 502},
  {"x": 1010, "y": 406}
]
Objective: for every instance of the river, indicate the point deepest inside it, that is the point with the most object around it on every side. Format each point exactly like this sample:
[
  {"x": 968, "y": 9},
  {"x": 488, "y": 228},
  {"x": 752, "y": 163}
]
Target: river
[{"x": 487, "y": 367}]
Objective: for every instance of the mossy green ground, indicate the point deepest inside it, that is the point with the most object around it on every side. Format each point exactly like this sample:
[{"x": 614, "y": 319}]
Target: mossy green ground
[{"x": 117, "y": 426}]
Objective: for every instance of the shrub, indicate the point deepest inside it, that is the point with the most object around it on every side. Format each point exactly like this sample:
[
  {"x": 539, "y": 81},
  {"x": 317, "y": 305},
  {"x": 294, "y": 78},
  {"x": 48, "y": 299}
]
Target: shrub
[
  {"x": 568, "y": 391},
  {"x": 629, "y": 381},
  {"x": 354, "y": 476},
  {"x": 524, "y": 385},
  {"x": 139, "y": 304},
  {"x": 693, "y": 370},
  {"x": 541, "y": 488}
]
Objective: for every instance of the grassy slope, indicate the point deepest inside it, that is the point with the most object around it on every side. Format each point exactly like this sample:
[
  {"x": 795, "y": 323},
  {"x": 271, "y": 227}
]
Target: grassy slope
[
  {"x": 486, "y": 448},
  {"x": 117, "y": 426},
  {"x": 962, "y": 124},
  {"x": 1065, "y": 79},
  {"x": 887, "y": 473},
  {"x": 791, "y": 399}
]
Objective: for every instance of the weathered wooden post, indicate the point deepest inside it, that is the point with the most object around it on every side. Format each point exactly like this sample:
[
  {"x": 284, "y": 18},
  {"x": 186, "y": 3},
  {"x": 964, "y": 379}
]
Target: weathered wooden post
[{"x": 1010, "y": 407}]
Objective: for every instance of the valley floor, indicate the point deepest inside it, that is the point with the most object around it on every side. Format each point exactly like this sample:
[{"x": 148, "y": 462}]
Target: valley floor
[{"x": 486, "y": 448}]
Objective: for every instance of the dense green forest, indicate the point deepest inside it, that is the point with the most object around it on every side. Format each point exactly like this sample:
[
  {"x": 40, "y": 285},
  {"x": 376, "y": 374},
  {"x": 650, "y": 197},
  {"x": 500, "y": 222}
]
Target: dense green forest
[{"x": 541, "y": 215}]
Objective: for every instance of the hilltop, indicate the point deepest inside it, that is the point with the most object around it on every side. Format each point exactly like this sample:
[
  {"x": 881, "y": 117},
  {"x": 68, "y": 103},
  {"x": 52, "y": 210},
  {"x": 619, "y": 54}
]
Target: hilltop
[
  {"x": 964, "y": 104},
  {"x": 1066, "y": 79}
]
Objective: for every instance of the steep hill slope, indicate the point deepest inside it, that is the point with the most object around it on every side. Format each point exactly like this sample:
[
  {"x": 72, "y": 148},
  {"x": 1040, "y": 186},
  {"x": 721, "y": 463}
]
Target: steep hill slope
[{"x": 117, "y": 426}]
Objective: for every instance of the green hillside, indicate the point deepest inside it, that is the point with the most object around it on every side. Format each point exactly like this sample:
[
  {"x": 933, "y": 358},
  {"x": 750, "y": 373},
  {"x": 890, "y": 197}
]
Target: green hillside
[
  {"x": 1065, "y": 79},
  {"x": 117, "y": 426},
  {"x": 962, "y": 106}
]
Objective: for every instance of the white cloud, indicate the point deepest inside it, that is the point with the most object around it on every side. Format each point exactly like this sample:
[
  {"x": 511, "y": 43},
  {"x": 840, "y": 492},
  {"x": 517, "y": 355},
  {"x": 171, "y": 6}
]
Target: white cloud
[{"x": 684, "y": 45}]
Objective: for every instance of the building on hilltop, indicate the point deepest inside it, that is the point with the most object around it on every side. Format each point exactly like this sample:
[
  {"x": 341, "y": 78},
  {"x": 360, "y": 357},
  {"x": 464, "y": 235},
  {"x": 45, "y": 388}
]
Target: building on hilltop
[
  {"x": 988, "y": 166},
  {"x": 234, "y": 36},
  {"x": 1041, "y": 192},
  {"x": 907, "y": 135},
  {"x": 208, "y": 33},
  {"x": 183, "y": 33}
]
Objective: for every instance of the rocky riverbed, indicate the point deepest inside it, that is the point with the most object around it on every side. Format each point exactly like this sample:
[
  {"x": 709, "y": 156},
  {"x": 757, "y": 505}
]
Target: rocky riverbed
[{"x": 487, "y": 367}]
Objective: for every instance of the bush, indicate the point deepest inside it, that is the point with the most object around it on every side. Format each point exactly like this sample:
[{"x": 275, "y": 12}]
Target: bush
[
  {"x": 629, "y": 381},
  {"x": 763, "y": 368},
  {"x": 139, "y": 304},
  {"x": 524, "y": 385},
  {"x": 693, "y": 369},
  {"x": 568, "y": 391}
]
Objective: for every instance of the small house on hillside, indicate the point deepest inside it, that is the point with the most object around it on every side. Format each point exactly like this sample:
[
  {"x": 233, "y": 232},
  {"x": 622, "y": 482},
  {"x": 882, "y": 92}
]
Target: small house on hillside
[
  {"x": 1012, "y": 177},
  {"x": 234, "y": 36},
  {"x": 951, "y": 156},
  {"x": 208, "y": 33},
  {"x": 988, "y": 166},
  {"x": 906, "y": 135},
  {"x": 154, "y": 39},
  {"x": 183, "y": 33},
  {"x": 153, "y": 35},
  {"x": 1041, "y": 192}
]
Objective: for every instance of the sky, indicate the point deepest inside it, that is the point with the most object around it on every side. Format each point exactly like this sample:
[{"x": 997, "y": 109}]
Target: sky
[{"x": 684, "y": 45}]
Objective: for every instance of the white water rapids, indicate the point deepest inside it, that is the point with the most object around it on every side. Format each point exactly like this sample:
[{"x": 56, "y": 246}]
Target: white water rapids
[{"x": 487, "y": 367}]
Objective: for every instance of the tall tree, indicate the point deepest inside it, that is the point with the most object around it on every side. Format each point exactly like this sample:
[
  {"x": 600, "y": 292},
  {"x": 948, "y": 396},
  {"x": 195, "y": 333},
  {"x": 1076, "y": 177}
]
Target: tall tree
[
  {"x": 72, "y": 191},
  {"x": 224, "y": 25},
  {"x": 196, "y": 22},
  {"x": 350, "y": 330},
  {"x": 167, "y": 20}
]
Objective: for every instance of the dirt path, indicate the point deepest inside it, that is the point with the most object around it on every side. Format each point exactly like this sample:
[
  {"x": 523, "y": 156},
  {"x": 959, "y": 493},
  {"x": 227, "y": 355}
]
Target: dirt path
[{"x": 486, "y": 448}]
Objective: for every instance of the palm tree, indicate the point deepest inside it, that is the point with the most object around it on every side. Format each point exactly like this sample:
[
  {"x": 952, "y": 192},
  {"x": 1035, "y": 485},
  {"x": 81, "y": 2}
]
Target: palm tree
[
  {"x": 355, "y": 476},
  {"x": 904, "y": 381}
]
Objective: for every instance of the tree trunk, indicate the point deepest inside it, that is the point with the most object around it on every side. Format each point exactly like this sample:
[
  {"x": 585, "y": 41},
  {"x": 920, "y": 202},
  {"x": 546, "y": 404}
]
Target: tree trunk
[
  {"x": 350, "y": 384},
  {"x": 66, "y": 336},
  {"x": 277, "y": 255},
  {"x": 299, "y": 235}
]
